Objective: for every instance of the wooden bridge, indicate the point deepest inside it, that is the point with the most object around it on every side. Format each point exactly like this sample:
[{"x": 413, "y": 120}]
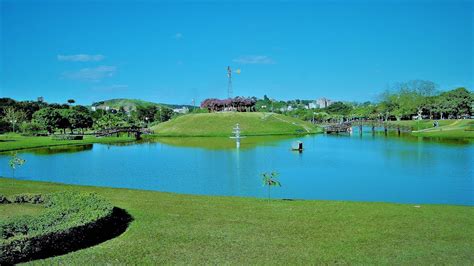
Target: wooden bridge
[
  {"x": 347, "y": 127},
  {"x": 137, "y": 131},
  {"x": 338, "y": 128}
]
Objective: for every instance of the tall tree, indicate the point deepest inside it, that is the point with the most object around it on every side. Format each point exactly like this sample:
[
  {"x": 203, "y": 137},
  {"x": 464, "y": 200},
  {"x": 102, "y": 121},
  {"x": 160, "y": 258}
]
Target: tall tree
[
  {"x": 48, "y": 118},
  {"x": 14, "y": 116}
]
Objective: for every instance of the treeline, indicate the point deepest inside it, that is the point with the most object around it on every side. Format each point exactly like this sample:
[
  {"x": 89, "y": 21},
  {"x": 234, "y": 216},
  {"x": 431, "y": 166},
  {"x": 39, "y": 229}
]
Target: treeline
[
  {"x": 403, "y": 101},
  {"x": 33, "y": 117}
]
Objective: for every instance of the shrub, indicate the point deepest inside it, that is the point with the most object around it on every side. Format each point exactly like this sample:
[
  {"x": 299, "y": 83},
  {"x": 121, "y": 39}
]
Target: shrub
[
  {"x": 70, "y": 221},
  {"x": 68, "y": 137},
  {"x": 31, "y": 128}
]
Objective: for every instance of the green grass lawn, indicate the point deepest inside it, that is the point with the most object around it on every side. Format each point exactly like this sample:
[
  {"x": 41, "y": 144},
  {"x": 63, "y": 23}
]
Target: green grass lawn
[
  {"x": 171, "y": 228},
  {"x": 447, "y": 128},
  {"x": 221, "y": 124},
  {"x": 11, "y": 210},
  {"x": 10, "y": 141}
]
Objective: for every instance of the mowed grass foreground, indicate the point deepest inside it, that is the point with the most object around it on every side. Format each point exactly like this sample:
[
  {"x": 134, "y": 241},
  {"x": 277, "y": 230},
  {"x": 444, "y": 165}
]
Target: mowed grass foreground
[
  {"x": 221, "y": 124},
  {"x": 172, "y": 228}
]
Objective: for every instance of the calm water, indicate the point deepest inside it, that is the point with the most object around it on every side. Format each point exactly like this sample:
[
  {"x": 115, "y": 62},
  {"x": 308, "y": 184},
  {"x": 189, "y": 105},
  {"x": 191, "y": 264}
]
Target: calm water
[{"x": 388, "y": 169}]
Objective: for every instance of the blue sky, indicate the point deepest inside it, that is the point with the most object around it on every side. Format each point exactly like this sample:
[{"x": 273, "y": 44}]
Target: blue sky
[{"x": 173, "y": 52}]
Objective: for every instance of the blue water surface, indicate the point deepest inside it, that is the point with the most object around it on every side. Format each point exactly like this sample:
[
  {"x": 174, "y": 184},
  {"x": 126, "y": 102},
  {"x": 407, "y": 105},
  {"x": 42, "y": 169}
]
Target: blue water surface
[{"x": 355, "y": 168}]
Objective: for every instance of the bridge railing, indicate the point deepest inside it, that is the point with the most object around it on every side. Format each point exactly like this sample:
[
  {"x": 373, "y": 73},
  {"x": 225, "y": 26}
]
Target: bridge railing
[{"x": 110, "y": 131}]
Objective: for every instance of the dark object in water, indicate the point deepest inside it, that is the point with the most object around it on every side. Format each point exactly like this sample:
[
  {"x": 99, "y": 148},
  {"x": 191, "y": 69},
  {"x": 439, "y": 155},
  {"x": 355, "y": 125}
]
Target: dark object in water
[{"x": 298, "y": 146}]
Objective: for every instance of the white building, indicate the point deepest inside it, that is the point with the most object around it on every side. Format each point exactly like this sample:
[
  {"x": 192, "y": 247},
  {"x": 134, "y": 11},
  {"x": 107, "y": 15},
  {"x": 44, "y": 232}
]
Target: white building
[
  {"x": 313, "y": 105},
  {"x": 323, "y": 102},
  {"x": 182, "y": 110}
]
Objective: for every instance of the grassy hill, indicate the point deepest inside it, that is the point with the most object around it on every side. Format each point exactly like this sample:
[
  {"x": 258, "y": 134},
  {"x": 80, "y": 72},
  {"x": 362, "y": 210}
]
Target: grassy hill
[
  {"x": 128, "y": 104},
  {"x": 462, "y": 128},
  {"x": 221, "y": 124}
]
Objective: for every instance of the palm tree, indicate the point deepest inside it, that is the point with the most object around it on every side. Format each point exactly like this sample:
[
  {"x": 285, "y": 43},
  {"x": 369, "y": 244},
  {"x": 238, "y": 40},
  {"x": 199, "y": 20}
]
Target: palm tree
[
  {"x": 270, "y": 180},
  {"x": 71, "y": 101}
]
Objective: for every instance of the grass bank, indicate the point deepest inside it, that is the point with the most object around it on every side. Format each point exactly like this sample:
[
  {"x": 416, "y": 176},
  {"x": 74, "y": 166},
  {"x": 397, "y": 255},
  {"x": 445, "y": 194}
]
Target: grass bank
[
  {"x": 452, "y": 128},
  {"x": 221, "y": 124},
  {"x": 10, "y": 142},
  {"x": 172, "y": 228}
]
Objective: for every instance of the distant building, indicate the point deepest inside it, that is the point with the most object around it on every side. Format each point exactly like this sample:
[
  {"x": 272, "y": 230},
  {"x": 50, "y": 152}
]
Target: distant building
[
  {"x": 313, "y": 105},
  {"x": 93, "y": 108},
  {"x": 182, "y": 110},
  {"x": 323, "y": 102},
  {"x": 40, "y": 99}
]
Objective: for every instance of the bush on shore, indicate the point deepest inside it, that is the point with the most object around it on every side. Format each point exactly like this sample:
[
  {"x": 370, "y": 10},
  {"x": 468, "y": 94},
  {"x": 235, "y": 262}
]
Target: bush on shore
[{"x": 71, "y": 221}]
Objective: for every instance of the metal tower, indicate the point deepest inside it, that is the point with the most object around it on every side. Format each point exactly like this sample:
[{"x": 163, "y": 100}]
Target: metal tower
[
  {"x": 229, "y": 84},
  {"x": 230, "y": 90}
]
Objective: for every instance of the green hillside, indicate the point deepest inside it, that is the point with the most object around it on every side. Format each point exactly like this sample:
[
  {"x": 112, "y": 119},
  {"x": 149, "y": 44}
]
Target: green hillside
[
  {"x": 221, "y": 124},
  {"x": 128, "y": 104},
  {"x": 452, "y": 128}
]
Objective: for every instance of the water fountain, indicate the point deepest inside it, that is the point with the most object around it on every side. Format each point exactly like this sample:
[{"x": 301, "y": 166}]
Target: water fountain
[{"x": 237, "y": 137}]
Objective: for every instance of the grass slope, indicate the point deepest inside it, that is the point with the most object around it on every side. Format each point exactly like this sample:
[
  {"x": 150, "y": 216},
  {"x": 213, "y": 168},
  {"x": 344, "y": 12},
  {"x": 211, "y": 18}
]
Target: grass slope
[
  {"x": 130, "y": 104},
  {"x": 183, "y": 229},
  {"x": 9, "y": 142},
  {"x": 452, "y": 128},
  {"x": 221, "y": 124}
]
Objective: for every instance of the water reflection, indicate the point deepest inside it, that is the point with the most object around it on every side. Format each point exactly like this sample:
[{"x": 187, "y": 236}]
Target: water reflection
[
  {"x": 220, "y": 143},
  {"x": 59, "y": 149}
]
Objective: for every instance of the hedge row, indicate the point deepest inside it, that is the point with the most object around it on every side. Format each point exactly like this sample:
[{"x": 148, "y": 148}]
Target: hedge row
[
  {"x": 70, "y": 221},
  {"x": 67, "y": 137}
]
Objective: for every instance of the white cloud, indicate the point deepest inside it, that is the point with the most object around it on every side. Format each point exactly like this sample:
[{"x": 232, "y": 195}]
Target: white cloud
[
  {"x": 178, "y": 36},
  {"x": 91, "y": 74},
  {"x": 81, "y": 58},
  {"x": 254, "y": 59}
]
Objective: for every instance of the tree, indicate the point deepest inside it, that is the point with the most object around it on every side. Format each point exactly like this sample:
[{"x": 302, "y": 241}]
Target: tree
[
  {"x": 270, "y": 180},
  {"x": 71, "y": 101},
  {"x": 15, "y": 162},
  {"x": 339, "y": 108},
  {"x": 31, "y": 127},
  {"x": 64, "y": 122},
  {"x": 14, "y": 116},
  {"x": 147, "y": 113},
  {"x": 48, "y": 118},
  {"x": 110, "y": 121},
  {"x": 163, "y": 114},
  {"x": 76, "y": 119},
  {"x": 457, "y": 102}
]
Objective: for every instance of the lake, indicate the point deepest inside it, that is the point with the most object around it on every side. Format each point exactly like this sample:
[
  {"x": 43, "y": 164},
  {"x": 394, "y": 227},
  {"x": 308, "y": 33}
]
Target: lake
[{"x": 354, "y": 168}]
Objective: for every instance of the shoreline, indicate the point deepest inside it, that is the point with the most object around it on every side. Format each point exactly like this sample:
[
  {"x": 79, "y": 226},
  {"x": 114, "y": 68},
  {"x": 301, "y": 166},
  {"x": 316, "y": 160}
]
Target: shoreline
[
  {"x": 225, "y": 196},
  {"x": 167, "y": 228}
]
